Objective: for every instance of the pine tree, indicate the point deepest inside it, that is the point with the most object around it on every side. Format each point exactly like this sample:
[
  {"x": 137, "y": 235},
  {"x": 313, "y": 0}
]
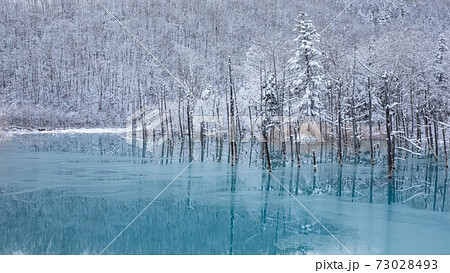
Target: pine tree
[
  {"x": 441, "y": 77},
  {"x": 309, "y": 81},
  {"x": 438, "y": 95},
  {"x": 383, "y": 16},
  {"x": 270, "y": 99}
]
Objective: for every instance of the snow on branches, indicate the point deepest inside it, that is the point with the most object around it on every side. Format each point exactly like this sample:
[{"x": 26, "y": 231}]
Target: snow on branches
[{"x": 306, "y": 64}]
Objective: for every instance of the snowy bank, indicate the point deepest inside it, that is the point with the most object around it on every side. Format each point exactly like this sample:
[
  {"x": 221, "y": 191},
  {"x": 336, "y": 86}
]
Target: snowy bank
[
  {"x": 4, "y": 136},
  {"x": 16, "y": 131}
]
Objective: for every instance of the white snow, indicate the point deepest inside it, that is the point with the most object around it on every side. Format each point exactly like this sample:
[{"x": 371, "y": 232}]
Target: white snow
[{"x": 71, "y": 131}]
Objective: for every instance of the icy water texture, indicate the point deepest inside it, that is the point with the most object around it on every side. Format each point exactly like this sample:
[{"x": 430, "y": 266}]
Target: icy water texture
[{"x": 72, "y": 194}]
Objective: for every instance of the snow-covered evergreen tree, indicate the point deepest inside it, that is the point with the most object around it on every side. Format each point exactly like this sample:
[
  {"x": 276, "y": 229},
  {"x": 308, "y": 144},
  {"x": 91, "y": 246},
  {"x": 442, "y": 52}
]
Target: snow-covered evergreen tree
[
  {"x": 383, "y": 16},
  {"x": 441, "y": 74},
  {"x": 270, "y": 100},
  {"x": 309, "y": 80},
  {"x": 441, "y": 78}
]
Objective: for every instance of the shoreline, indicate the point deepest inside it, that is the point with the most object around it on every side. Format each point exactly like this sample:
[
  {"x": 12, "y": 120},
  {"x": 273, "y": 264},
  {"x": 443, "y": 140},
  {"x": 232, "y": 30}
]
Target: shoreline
[{"x": 26, "y": 131}]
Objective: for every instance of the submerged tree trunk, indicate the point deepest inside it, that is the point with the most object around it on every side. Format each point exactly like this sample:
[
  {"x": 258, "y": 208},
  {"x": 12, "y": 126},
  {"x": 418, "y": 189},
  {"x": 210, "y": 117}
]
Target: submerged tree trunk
[
  {"x": 266, "y": 149},
  {"x": 445, "y": 147},
  {"x": 297, "y": 141},
  {"x": 371, "y": 184},
  {"x": 445, "y": 189},
  {"x": 314, "y": 160}
]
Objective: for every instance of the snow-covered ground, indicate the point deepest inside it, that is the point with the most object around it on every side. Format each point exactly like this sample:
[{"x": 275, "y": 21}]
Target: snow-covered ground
[
  {"x": 68, "y": 131},
  {"x": 4, "y": 136}
]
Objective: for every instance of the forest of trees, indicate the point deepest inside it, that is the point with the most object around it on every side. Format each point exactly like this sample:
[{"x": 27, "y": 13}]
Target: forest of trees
[{"x": 380, "y": 70}]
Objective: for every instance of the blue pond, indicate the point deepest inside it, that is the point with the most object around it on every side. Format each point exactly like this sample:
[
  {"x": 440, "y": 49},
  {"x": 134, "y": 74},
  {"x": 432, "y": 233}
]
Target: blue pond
[{"x": 73, "y": 194}]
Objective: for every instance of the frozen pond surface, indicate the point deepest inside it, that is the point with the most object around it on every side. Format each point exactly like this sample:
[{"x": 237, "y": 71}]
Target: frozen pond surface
[{"x": 72, "y": 194}]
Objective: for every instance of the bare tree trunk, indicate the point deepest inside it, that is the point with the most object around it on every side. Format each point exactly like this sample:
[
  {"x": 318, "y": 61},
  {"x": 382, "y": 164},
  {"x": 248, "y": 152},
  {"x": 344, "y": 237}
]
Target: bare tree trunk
[
  {"x": 251, "y": 122},
  {"x": 238, "y": 121},
  {"x": 355, "y": 137},
  {"x": 436, "y": 153},
  {"x": 371, "y": 184},
  {"x": 427, "y": 126},
  {"x": 370, "y": 121},
  {"x": 436, "y": 176},
  {"x": 261, "y": 106},
  {"x": 283, "y": 130},
  {"x": 297, "y": 143},
  {"x": 411, "y": 112},
  {"x": 429, "y": 112},
  {"x": 189, "y": 121},
  {"x": 340, "y": 123},
  {"x": 161, "y": 116},
  {"x": 445, "y": 190},
  {"x": 314, "y": 159},
  {"x": 144, "y": 132},
  {"x": 418, "y": 124},
  {"x": 266, "y": 149},
  {"x": 445, "y": 147},
  {"x": 167, "y": 119},
  {"x": 291, "y": 139},
  {"x": 202, "y": 136},
  {"x": 171, "y": 127},
  {"x": 331, "y": 110},
  {"x": 232, "y": 117},
  {"x": 388, "y": 126},
  {"x": 179, "y": 116}
]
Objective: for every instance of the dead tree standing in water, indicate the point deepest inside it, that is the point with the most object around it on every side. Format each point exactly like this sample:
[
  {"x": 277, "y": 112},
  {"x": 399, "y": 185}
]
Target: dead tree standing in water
[
  {"x": 388, "y": 126},
  {"x": 189, "y": 121},
  {"x": 340, "y": 123},
  {"x": 369, "y": 88},
  {"x": 232, "y": 123},
  {"x": 314, "y": 159}
]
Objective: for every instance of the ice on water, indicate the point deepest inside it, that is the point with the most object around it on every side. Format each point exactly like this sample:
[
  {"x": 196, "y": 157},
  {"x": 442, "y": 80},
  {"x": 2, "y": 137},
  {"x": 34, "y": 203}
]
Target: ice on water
[{"x": 72, "y": 194}]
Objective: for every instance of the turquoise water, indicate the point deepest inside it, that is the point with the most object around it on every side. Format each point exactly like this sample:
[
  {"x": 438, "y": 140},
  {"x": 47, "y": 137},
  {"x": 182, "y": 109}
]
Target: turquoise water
[{"x": 72, "y": 194}]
